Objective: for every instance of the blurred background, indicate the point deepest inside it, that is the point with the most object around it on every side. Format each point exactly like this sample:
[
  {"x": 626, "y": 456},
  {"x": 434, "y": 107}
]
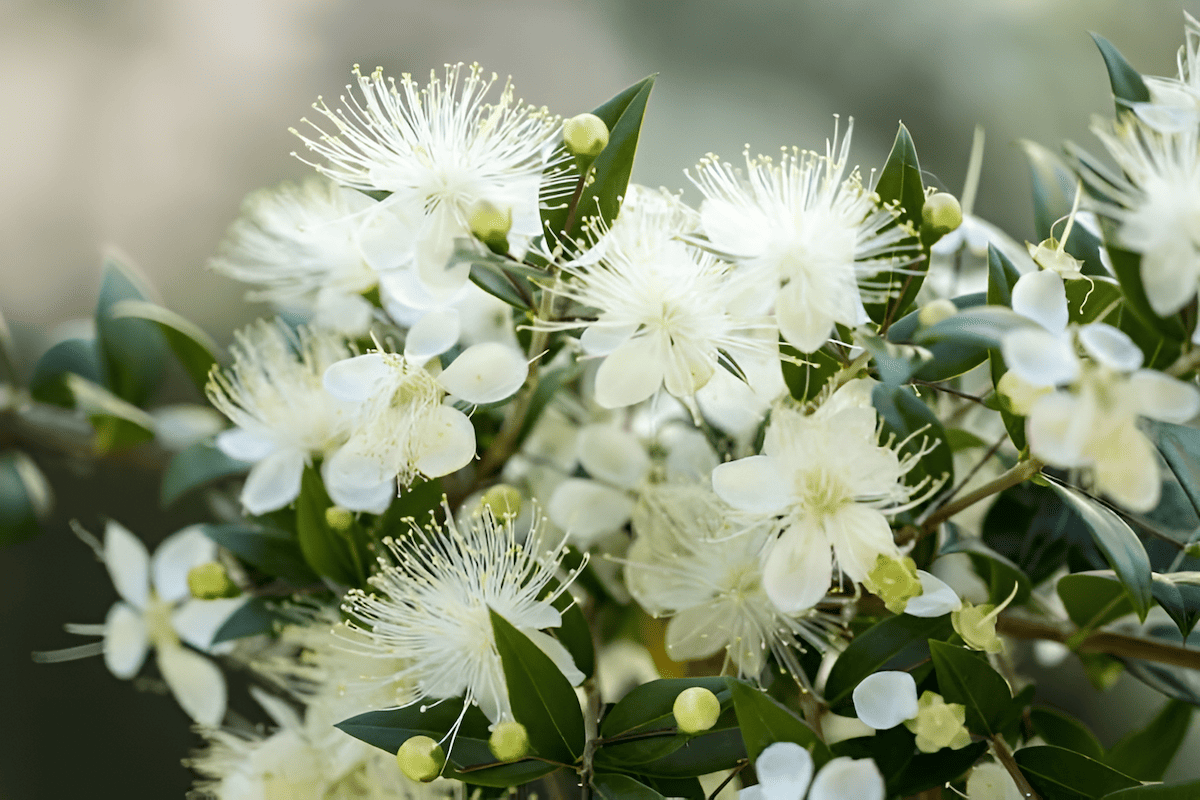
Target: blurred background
[{"x": 141, "y": 124}]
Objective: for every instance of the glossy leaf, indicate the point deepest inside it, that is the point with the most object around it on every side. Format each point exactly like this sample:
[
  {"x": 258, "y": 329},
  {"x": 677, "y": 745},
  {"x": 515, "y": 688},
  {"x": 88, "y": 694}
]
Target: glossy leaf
[
  {"x": 648, "y": 710},
  {"x": 924, "y": 771},
  {"x": 614, "y": 786},
  {"x": 118, "y": 424},
  {"x": 1178, "y": 791},
  {"x": 712, "y": 751},
  {"x": 763, "y": 722},
  {"x": 329, "y": 553},
  {"x": 1054, "y": 185},
  {"x": 997, "y": 572},
  {"x": 256, "y": 616},
  {"x": 1088, "y": 299},
  {"x": 1178, "y": 593},
  {"x": 194, "y": 348},
  {"x": 74, "y": 356},
  {"x": 895, "y": 643},
  {"x": 1180, "y": 448},
  {"x": 132, "y": 351},
  {"x": 273, "y": 551},
  {"x": 1146, "y": 754},
  {"x": 1059, "y": 774},
  {"x": 900, "y": 182},
  {"x": 1061, "y": 730},
  {"x": 966, "y": 677},
  {"x": 1002, "y": 276},
  {"x": 196, "y": 466},
  {"x": 1126, "y": 82},
  {"x": 1093, "y": 599}
]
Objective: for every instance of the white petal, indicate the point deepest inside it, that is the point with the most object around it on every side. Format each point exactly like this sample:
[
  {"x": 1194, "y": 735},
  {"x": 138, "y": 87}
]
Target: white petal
[
  {"x": 1162, "y": 397},
  {"x": 485, "y": 373},
  {"x": 1127, "y": 470},
  {"x": 557, "y": 653},
  {"x": 844, "y": 778},
  {"x": 277, "y": 709},
  {"x": 991, "y": 781},
  {"x": 350, "y": 467},
  {"x": 798, "y": 569},
  {"x": 374, "y": 498},
  {"x": 196, "y": 682},
  {"x": 1110, "y": 346},
  {"x": 178, "y": 554},
  {"x": 128, "y": 564},
  {"x": 404, "y": 296},
  {"x": 197, "y": 621},
  {"x": 612, "y": 455},
  {"x": 691, "y": 635},
  {"x": 600, "y": 339},
  {"x": 631, "y": 373},
  {"x": 758, "y": 484},
  {"x": 355, "y": 380},
  {"x": 125, "y": 641},
  {"x": 244, "y": 445},
  {"x": 784, "y": 770},
  {"x": 1059, "y": 427},
  {"x": 343, "y": 312},
  {"x": 433, "y": 334},
  {"x": 885, "y": 699},
  {"x": 805, "y": 327},
  {"x": 444, "y": 443},
  {"x": 386, "y": 236},
  {"x": 433, "y": 254},
  {"x": 859, "y": 535},
  {"x": 751, "y": 793},
  {"x": 1169, "y": 278},
  {"x": 1040, "y": 357},
  {"x": 1042, "y": 297},
  {"x": 732, "y": 230},
  {"x": 585, "y": 509},
  {"x": 936, "y": 598},
  {"x": 273, "y": 482}
]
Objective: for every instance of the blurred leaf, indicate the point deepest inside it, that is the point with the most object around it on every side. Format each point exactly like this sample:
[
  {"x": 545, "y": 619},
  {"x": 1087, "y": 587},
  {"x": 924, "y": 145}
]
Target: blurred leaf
[
  {"x": 1093, "y": 599},
  {"x": 900, "y": 182},
  {"x": 763, "y": 722},
  {"x": 924, "y": 771},
  {"x": 1002, "y": 277},
  {"x": 1061, "y": 730},
  {"x": 75, "y": 356},
  {"x": 966, "y": 677},
  {"x": 273, "y": 551},
  {"x": 131, "y": 350},
  {"x": 804, "y": 381},
  {"x": 24, "y": 497},
  {"x": 1059, "y": 774},
  {"x": 194, "y": 348},
  {"x": 256, "y": 616},
  {"x": 574, "y": 633},
  {"x": 326, "y": 551},
  {"x": 118, "y": 425},
  {"x": 895, "y": 643},
  {"x": 949, "y": 357},
  {"x": 612, "y": 786},
  {"x": 1088, "y": 299},
  {"x": 1178, "y": 791},
  {"x": 1176, "y": 682},
  {"x": 997, "y": 572},
  {"x": 905, "y": 416},
  {"x": 1126, "y": 83},
  {"x": 1054, "y": 185},
  {"x": 1178, "y": 593},
  {"x": 195, "y": 466},
  {"x": 1031, "y": 527},
  {"x": 984, "y": 327},
  {"x": 1180, "y": 447},
  {"x": 1147, "y": 753}
]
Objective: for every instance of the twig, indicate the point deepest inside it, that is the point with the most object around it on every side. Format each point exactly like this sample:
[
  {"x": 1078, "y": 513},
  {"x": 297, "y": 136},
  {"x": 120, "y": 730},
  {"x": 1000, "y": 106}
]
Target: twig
[
  {"x": 1106, "y": 642},
  {"x": 1021, "y": 472},
  {"x": 733, "y": 773},
  {"x": 1005, "y": 757}
]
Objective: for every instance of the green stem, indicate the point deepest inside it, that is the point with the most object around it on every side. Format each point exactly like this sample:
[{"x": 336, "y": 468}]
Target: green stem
[
  {"x": 1018, "y": 474},
  {"x": 1004, "y": 756}
]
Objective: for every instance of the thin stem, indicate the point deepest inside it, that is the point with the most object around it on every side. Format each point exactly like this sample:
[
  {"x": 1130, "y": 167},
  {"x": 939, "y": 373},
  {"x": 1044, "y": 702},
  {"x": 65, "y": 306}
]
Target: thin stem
[
  {"x": 1184, "y": 364},
  {"x": 852, "y": 369},
  {"x": 591, "y": 722},
  {"x": 733, "y": 773},
  {"x": 1005, "y": 757},
  {"x": 978, "y": 466},
  {"x": 1018, "y": 474},
  {"x": 1106, "y": 642},
  {"x": 940, "y": 388}
]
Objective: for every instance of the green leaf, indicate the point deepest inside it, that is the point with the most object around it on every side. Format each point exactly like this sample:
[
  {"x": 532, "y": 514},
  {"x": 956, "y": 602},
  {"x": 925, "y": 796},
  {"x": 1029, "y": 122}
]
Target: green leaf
[
  {"x": 997, "y": 572},
  {"x": 257, "y": 615},
  {"x": 1178, "y": 791},
  {"x": 1059, "y": 774},
  {"x": 1088, "y": 299},
  {"x": 541, "y": 697},
  {"x": 1180, "y": 447},
  {"x": 904, "y": 415},
  {"x": 1031, "y": 527},
  {"x": 196, "y": 466},
  {"x": 1093, "y": 599},
  {"x": 949, "y": 357},
  {"x": 648, "y": 709},
  {"x": 804, "y": 381},
  {"x": 24, "y": 497},
  {"x": 574, "y": 633},
  {"x": 983, "y": 326},
  {"x": 1147, "y": 753},
  {"x": 900, "y": 182},
  {"x": 1126, "y": 83},
  {"x": 927, "y": 770},
  {"x": 1054, "y": 185},
  {"x": 613, "y": 786},
  {"x": 764, "y": 721},
  {"x": 75, "y": 356},
  {"x": 717, "y": 749},
  {"x": 895, "y": 643},
  {"x": 1062, "y": 730},
  {"x": 1002, "y": 277},
  {"x": 194, "y": 348},
  {"x": 326, "y": 551},
  {"x": 131, "y": 350},
  {"x": 497, "y": 281},
  {"x": 1117, "y": 541},
  {"x": 1179, "y": 595},
  {"x": 273, "y": 551},
  {"x": 118, "y": 424},
  {"x": 966, "y": 677}
]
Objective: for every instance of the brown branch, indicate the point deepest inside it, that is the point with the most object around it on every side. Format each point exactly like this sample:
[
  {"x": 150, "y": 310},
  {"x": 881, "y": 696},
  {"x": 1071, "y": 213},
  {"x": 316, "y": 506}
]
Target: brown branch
[
  {"x": 1005, "y": 757},
  {"x": 1107, "y": 642}
]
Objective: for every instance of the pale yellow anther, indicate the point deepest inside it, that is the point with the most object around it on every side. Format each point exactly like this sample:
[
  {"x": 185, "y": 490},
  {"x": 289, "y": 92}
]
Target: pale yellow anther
[
  {"x": 939, "y": 724},
  {"x": 210, "y": 581},
  {"x": 585, "y": 135},
  {"x": 894, "y": 581},
  {"x": 421, "y": 758},
  {"x": 696, "y": 709},
  {"x": 509, "y": 741}
]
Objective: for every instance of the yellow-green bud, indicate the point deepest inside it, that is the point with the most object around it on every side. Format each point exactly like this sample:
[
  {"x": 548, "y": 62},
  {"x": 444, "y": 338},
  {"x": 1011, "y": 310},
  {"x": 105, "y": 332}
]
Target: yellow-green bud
[
  {"x": 934, "y": 312},
  {"x": 1193, "y": 550},
  {"x": 490, "y": 224},
  {"x": 585, "y": 135},
  {"x": 939, "y": 724},
  {"x": 502, "y": 499},
  {"x": 941, "y": 214},
  {"x": 696, "y": 709},
  {"x": 977, "y": 627},
  {"x": 421, "y": 758},
  {"x": 894, "y": 581},
  {"x": 338, "y": 518},
  {"x": 1048, "y": 254},
  {"x": 210, "y": 581},
  {"x": 509, "y": 741}
]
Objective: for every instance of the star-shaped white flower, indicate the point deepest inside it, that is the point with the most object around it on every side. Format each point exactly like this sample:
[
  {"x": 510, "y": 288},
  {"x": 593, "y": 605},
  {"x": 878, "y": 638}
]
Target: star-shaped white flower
[{"x": 785, "y": 770}]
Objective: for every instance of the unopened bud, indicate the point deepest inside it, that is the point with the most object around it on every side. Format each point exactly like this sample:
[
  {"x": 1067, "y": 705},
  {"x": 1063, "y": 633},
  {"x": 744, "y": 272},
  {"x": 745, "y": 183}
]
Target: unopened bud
[
  {"x": 338, "y": 518},
  {"x": 421, "y": 758},
  {"x": 894, "y": 581},
  {"x": 509, "y": 741},
  {"x": 941, "y": 214},
  {"x": 939, "y": 724},
  {"x": 490, "y": 224},
  {"x": 696, "y": 709},
  {"x": 977, "y": 627},
  {"x": 210, "y": 581},
  {"x": 935, "y": 311},
  {"x": 502, "y": 499},
  {"x": 585, "y": 135},
  {"x": 1050, "y": 255}
]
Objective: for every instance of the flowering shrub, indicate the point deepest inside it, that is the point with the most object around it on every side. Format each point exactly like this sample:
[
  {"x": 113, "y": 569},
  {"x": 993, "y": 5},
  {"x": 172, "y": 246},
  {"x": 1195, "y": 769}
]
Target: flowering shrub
[{"x": 544, "y": 479}]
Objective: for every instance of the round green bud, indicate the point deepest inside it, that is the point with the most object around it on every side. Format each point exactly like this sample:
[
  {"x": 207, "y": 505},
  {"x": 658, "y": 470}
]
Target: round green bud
[
  {"x": 941, "y": 213},
  {"x": 696, "y": 709},
  {"x": 338, "y": 518},
  {"x": 421, "y": 758},
  {"x": 585, "y": 135},
  {"x": 210, "y": 581},
  {"x": 502, "y": 499},
  {"x": 490, "y": 224},
  {"x": 934, "y": 312},
  {"x": 509, "y": 741}
]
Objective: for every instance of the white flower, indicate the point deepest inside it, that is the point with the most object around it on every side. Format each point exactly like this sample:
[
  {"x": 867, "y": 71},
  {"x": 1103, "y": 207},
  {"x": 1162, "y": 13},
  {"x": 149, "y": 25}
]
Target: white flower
[
  {"x": 283, "y": 416},
  {"x": 306, "y": 245},
  {"x": 936, "y": 598},
  {"x": 785, "y": 769},
  {"x": 991, "y": 781},
  {"x": 824, "y": 481},
  {"x": 665, "y": 318},
  {"x": 800, "y": 228},
  {"x": 1175, "y": 102},
  {"x": 438, "y": 150},
  {"x": 156, "y": 611},
  {"x": 430, "y": 606},
  {"x": 885, "y": 699},
  {"x": 693, "y": 561}
]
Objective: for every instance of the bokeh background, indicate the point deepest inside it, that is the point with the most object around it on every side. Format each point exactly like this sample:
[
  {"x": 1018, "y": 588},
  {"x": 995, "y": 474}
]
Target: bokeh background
[{"x": 141, "y": 124}]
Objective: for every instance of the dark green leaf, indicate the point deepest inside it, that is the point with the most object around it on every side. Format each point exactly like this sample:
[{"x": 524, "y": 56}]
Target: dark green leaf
[
  {"x": 273, "y": 551},
  {"x": 132, "y": 351},
  {"x": 255, "y": 616},
  {"x": 1093, "y": 599},
  {"x": 983, "y": 327},
  {"x": 1088, "y": 299},
  {"x": 966, "y": 677},
  {"x": 1147, "y": 753},
  {"x": 1180, "y": 447},
  {"x": 949, "y": 357},
  {"x": 76, "y": 356},
  {"x": 498, "y": 283},
  {"x": 1120, "y": 545},
  {"x": 764, "y": 721},
  {"x": 1031, "y": 527},
  {"x": 1179, "y": 595},
  {"x": 613, "y": 786},
  {"x": 1059, "y": 774},
  {"x": 326, "y": 551},
  {"x": 575, "y": 634},
  {"x": 900, "y": 183},
  {"x": 804, "y": 381},
  {"x": 1002, "y": 277},
  {"x": 997, "y": 572},
  {"x": 647, "y": 709},
  {"x": 927, "y": 770},
  {"x": 194, "y": 348},
  {"x": 117, "y": 423},
  {"x": 1126, "y": 83},
  {"x": 895, "y": 643},
  {"x": 712, "y": 751},
  {"x": 24, "y": 497},
  {"x": 905, "y": 328},
  {"x": 1178, "y": 791},
  {"x": 196, "y": 466},
  {"x": 1062, "y": 730},
  {"x": 541, "y": 697}
]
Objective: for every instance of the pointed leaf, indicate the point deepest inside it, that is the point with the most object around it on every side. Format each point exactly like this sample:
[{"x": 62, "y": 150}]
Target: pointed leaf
[
  {"x": 966, "y": 677},
  {"x": 1093, "y": 599},
  {"x": 764, "y": 721},
  {"x": 131, "y": 350},
  {"x": 256, "y": 616},
  {"x": 326, "y": 551},
  {"x": 1061, "y": 730},
  {"x": 900, "y": 182},
  {"x": 273, "y": 551},
  {"x": 613, "y": 786},
  {"x": 24, "y": 497},
  {"x": 905, "y": 416},
  {"x": 1178, "y": 791},
  {"x": 1147, "y": 753},
  {"x": 895, "y": 643},
  {"x": 76, "y": 356},
  {"x": 196, "y": 466},
  {"x": 1126, "y": 83},
  {"x": 1058, "y": 774},
  {"x": 194, "y": 348}
]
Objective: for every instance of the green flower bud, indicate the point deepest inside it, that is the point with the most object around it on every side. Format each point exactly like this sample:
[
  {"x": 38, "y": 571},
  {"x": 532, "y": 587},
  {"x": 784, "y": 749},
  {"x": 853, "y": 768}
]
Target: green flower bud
[
  {"x": 210, "y": 581},
  {"x": 338, "y": 518},
  {"x": 490, "y": 224},
  {"x": 509, "y": 741},
  {"x": 934, "y": 312},
  {"x": 585, "y": 135},
  {"x": 502, "y": 499},
  {"x": 421, "y": 758},
  {"x": 977, "y": 627},
  {"x": 894, "y": 581},
  {"x": 941, "y": 214},
  {"x": 939, "y": 724},
  {"x": 696, "y": 709}
]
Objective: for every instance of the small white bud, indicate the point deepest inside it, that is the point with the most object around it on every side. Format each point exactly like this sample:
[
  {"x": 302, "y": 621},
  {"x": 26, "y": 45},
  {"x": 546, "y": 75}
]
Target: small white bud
[
  {"x": 421, "y": 758},
  {"x": 585, "y": 135},
  {"x": 696, "y": 709}
]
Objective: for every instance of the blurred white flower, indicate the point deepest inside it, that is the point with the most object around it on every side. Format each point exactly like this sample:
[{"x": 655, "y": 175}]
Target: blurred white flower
[
  {"x": 785, "y": 770},
  {"x": 799, "y": 228},
  {"x": 284, "y": 418},
  {"x": 991, "y": 781},
  {"x": 430, "y": 603}
]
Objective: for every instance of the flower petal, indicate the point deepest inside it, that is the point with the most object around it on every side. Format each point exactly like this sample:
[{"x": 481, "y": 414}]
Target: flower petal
[
  {"x": 1127, "y": 469},
  {"x": 557, "y": 653},
  {"x": 798, "y": 569},
  {"x": 244, "y": 445},
  {"x": 125, "y": 641},
  {"x": 196, "y": 682},
  {"x": 274, "y": 482},
  {"x": 1040, "y": 357},
  {"x": 784, "y": 770},
  {"x": 690, "y": 635},
  {"x": 1042, "y": 297},
  {"x": 178, "y": 554},
  {"x": 936, "y": 598},
  {"x": 355, "y": 380},
  {"x": 1059, "y": 425},
  {"x": 612, "y": 455},
  {"x": 601, "y": 338},
  {"x": 128, "y": 564},
  {"x": 585, "y": 509},
  {"x": 631, "y": 373},
  {"x": 486, "y": 372},
  {"x": 885, "y": 699},
  {"x": 859, "y": 535},
  {"x": 444, "y": 443},
  {"x": 1110, "y": 346},
  {"x": 344, "y": 312},
  {"x": 433, "y": 334},
  {"x": 197, "y": 621},
  {"x": 372, "y": 497},
  {"x": 1162, "y": 397},
  {"x": 845, "y": 778},
  {"x": 804, "y": 326},
  {"x": 756, "y": 483},
  {"x": 1169, "y": 277}
]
